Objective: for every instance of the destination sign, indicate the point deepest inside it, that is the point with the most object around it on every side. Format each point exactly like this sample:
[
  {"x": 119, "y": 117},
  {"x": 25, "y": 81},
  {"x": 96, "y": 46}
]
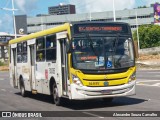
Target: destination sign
[
  {"x": 83, "y": 29},
  {"x": 100, "y": 28}
]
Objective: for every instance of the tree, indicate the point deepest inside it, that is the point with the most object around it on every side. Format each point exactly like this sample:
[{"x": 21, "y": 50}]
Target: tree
[
  {"x": 142, "y": 6},
  {"x": 149, "y": 36}
]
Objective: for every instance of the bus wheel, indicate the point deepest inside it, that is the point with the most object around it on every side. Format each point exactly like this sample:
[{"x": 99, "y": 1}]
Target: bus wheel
[
  {"x": 56, "y": 98},
  {"x": 22, "y": 88},
  {"x": 108, "y": 100}
]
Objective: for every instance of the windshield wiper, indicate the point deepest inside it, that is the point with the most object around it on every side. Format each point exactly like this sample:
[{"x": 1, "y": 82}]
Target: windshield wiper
[
  {"x": 91, "y": 45},
  {"x": 112, "y": 52},
  {"x": 115, "y": 47},
  {"x": 116, "y": 43}
]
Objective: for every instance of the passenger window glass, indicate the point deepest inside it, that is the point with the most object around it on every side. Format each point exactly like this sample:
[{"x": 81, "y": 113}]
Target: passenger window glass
[
  {"x": 51, "y": 54},
  {"x": 22, "y": 52},
  {"x": 19, "y": 47},
  {"x": 51, "y": 47},
  {"x": 19, "y": 58},
  {"x": 51, "y": 41},
  {"x": 40, "y": 45},
  {"x": 40, "y": 56},
  {"x": 19, "y": 52},
  {"x": 25, "y": 57},
  {"x": 25, "y": 47}
]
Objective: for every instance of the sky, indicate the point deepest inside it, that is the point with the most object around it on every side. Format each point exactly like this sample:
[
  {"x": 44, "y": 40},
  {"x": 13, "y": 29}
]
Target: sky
[{"x": 34, "y": 7}]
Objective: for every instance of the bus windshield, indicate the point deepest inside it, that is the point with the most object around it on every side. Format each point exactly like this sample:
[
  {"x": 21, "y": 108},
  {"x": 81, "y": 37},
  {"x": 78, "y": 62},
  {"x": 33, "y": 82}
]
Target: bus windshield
[{"x": 102, "y": 53}]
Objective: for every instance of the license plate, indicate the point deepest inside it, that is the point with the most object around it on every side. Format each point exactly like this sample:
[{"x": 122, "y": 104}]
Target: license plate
[
  {"x": 94, "y": 83},
  {"x": 106, "y": 91}
]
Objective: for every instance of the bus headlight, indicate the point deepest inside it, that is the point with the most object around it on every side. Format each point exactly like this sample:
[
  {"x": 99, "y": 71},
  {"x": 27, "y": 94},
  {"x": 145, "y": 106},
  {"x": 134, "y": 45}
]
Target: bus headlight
[
  {"x": 76, "y": 80},
  {"x": 132, "y": 77}
]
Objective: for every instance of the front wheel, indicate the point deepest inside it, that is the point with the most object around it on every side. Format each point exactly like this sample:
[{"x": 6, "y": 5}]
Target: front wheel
[{"x": 56, "y": 98}]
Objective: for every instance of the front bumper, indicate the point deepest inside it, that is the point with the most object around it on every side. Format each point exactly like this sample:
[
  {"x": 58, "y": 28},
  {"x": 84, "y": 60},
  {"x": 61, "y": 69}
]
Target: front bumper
[{"x": 83, "y": 93}]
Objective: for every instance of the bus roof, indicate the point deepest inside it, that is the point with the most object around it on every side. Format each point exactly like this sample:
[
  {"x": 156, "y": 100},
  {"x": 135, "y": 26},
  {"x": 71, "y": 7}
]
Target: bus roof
[
  {"x": 60, "y": 28},
  {"x": 122, "y": 23},
  {"x": 97, "y": 27},
  {"x": 42, "y": 33}
]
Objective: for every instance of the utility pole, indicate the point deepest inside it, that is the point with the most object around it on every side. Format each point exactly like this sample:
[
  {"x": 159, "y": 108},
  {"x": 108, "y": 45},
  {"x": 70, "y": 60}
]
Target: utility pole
[
  {"x": 14, "y": 22},
  {"x": 114, "y": 13},
  {"x": 90, "y": 16},
  {"x": 137, "y": 30}
]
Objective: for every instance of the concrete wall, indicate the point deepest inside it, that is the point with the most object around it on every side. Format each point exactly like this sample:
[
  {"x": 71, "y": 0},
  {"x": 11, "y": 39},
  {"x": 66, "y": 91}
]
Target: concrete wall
[
  {"x": 154, "y": 50},
  {"x": 21, "y": 24},
  {"x": 129, "y": 16}
]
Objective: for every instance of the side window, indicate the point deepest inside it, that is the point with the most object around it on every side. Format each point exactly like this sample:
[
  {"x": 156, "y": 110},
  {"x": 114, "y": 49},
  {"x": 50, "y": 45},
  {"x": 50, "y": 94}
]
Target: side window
[
  {"x": 19, "y": 52},
  {"x": 51, "y": 47},
  {"x": 24, "y": 54},
  {"x": 40, "y": 49}
]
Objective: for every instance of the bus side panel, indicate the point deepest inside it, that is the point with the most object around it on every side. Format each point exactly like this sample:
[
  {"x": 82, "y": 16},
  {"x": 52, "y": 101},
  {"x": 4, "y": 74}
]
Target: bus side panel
[
  {"x": 61, "y": 65},
  {"x": 52, "y": 69},
  {"x": 40, "y": 75},
  {"x": 31, "y": 63},
  {"x": 50, "y": 72},
  {"x": 13, "y": 67},
  {"x": 19, "y": 72},
  {"x": 23, "y": 70},
  {"x": 59, "y": 70}
]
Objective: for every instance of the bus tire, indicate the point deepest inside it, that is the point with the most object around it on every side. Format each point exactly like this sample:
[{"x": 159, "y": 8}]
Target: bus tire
[
  {"x": 109, "y": 100},
  {"x": 57, "y": 100},
  {"x": 22, "y": 88}
]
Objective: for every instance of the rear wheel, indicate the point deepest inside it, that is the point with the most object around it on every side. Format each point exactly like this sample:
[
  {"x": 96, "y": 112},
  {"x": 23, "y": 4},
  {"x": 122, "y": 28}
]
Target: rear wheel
[
  {"x": 56, "y": 98},
  {"x": 22, "y": 88},
  {"x": 108, "y": 100}
]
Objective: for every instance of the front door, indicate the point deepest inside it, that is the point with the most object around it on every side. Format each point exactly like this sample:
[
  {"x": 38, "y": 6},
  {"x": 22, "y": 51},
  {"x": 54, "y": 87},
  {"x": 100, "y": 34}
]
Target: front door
[
  {"x": 32, "y": 64},
  {"x": 64, "y": 66},
  {"x": 14, "y": 69}
]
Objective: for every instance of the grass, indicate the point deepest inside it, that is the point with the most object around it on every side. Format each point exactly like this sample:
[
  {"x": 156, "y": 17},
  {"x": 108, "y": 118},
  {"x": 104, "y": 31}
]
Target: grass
[
  {"x": 4, "y": 66},
  {"x": 2, "y": 63}
]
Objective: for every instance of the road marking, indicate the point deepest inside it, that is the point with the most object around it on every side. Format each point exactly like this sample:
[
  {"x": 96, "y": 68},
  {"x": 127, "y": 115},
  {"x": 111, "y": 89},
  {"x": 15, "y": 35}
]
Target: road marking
[
  {"x": 148, "y": 83},
  {"x": 93, "y": 114},
  {"x": 141, "y": 80},
  {"x": 3, "y": 89},
  {"x": 156, "y": 84},
  {"x": 154, "y": 72}
]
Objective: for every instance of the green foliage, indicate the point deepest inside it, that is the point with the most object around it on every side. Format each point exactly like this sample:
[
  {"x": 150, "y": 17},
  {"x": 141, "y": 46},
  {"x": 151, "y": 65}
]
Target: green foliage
[
  {"x": 142, "y": 6},
  {"x": 1, "y": 63},
  {"x": 149, "y": 36}
]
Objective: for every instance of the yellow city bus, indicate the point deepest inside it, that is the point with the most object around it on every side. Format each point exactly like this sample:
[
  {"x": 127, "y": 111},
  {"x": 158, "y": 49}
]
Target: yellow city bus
[{"x": 78, "y": 61}]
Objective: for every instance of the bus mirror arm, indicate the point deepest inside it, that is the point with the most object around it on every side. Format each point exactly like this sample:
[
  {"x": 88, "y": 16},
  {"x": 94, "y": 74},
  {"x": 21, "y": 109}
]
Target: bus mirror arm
[{"x": 69, "y": 48}]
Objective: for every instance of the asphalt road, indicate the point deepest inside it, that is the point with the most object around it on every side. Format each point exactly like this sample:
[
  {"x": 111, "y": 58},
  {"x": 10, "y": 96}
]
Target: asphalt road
[{"x": 147, "y": 98}]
